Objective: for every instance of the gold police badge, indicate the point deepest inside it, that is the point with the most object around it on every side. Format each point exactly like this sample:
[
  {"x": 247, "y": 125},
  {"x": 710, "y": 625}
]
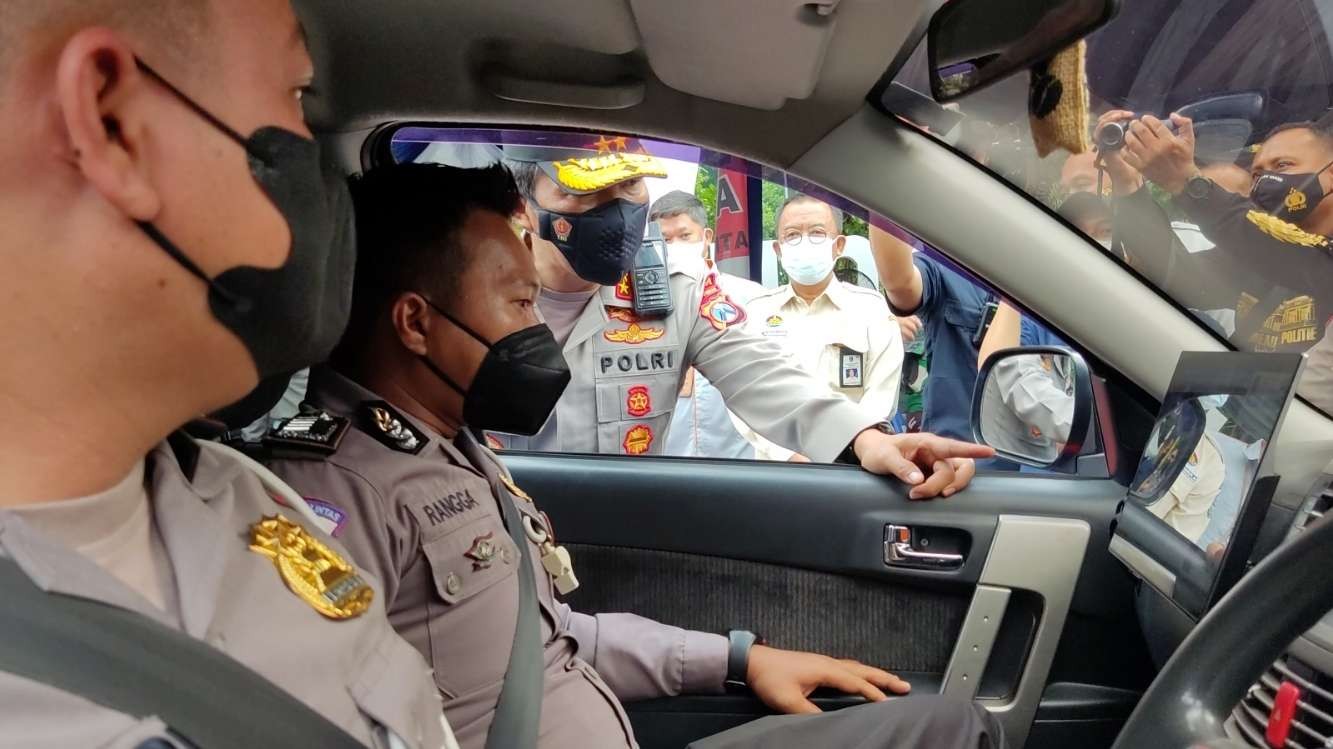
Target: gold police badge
[
  {"x": 1295, "y": 200},
  {"x": 313, "y": 571}
]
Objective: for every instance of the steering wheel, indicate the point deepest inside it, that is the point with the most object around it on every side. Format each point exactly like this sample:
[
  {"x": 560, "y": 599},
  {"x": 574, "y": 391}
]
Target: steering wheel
[{"x": 1234, "y": 644}]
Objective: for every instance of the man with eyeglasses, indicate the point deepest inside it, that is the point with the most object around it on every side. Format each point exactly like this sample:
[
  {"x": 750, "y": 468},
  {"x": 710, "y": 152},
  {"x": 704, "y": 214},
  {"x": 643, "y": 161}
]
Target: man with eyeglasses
[{"x": 841, "y": 333}]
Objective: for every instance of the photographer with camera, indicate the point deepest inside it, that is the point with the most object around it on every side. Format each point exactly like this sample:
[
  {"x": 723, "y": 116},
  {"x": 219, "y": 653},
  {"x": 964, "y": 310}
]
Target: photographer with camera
[{"x": 1271, "y": 263}]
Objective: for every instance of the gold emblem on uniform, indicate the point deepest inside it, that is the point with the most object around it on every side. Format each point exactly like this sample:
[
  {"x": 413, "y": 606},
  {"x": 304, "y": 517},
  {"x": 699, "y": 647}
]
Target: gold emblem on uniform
[
  {"x": 1295, "y": 201},
  {"x": 313, "y": 571},
  {"x": 513, "y": 488},
  {"x": 634, "y": 334},
  {"x": 1283, "y": 231}
]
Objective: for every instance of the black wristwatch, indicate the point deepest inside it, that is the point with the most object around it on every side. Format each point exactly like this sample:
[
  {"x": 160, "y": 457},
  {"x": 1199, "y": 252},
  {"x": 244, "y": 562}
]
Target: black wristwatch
[
  {"x": 848, "y": 455},
  {"x": 1199, "y": 187},
  {"x": 738, "y": 654}
]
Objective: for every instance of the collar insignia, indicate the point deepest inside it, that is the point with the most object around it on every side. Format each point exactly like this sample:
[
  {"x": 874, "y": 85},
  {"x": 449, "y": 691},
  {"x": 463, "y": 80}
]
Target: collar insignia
[{"x": 380, "y": 421}]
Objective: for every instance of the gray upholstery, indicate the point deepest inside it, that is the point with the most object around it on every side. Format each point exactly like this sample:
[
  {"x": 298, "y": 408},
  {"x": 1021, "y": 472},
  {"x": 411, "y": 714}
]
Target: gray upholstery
[{"x": 893, "y": 627}]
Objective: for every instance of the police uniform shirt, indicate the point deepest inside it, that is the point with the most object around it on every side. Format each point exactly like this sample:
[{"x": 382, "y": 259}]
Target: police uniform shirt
[
  {"x": 421, "y": 512},
  {"x": 846, "y": 338},
  {"x": 627, "y": 371},
  {"x": 356, "y": 671},
  {"x": 951, "y": 308},
  {"x": 701, "y": 426},
  {"x": 1186, "y": 504}
]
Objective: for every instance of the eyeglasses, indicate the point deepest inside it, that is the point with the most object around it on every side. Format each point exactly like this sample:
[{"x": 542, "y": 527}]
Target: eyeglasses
[{"x": 815, "y": 236}]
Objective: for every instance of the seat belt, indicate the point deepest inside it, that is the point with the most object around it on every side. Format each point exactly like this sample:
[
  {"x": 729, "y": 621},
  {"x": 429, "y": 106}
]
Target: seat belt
[
  {"x": 518, "y": 711},
  {"x": 130, "y": 663}
]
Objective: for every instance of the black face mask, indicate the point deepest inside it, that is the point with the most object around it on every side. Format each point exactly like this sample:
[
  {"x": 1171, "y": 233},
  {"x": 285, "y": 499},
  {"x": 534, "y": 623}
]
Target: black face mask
[
  {"x": 1291, "y": 197},
  {"x": 291, "y": 316},
  {"x": 518, "y": 383},
  {"x": 599, "y": 244}
]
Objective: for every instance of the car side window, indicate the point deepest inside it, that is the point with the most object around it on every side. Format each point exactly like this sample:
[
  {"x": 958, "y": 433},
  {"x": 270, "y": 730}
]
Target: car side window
[{"x": 779, "y": 320}]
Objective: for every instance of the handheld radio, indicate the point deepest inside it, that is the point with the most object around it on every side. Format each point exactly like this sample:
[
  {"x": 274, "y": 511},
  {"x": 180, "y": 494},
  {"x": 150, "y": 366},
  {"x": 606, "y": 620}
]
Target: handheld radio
[{"x": 649, "y": 276}]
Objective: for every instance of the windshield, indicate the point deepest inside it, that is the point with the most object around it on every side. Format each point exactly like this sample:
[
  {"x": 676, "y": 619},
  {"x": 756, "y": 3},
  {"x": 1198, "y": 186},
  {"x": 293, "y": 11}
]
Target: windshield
[{"x": 1210, "y": 144}]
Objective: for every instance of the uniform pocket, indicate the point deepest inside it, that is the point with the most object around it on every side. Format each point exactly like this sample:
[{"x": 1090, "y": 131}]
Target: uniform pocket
[
  {"x": 470, "y": 559},
  {"x": 963, "y": 317},
  {"x": 471, "y": 618},
  {"x": 642, "y": 398}
]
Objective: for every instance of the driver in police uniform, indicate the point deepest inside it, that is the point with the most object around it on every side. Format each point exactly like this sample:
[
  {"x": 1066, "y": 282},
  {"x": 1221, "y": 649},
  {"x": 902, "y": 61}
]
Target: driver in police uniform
[{"x": 584, "y": 217}]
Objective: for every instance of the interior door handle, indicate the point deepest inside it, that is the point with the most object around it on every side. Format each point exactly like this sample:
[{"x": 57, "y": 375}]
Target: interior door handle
[{"x": 899, "y": 552}]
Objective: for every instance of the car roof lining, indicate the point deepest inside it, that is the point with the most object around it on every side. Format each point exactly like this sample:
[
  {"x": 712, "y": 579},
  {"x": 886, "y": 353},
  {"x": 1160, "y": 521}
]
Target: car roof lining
[{"x": 440, "y": 60}]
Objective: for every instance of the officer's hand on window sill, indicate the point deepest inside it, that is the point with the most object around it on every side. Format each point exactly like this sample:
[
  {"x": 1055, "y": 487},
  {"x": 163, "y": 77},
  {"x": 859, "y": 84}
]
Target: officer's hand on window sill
[
  {"x": 933, "y": 466},
  {"x": 784, "y": 679},
  {"x": 798, "y": 458}
]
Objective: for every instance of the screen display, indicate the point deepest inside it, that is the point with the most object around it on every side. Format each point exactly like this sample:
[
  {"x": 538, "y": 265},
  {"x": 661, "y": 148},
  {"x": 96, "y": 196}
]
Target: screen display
[{"x": 1205, "y": 452}]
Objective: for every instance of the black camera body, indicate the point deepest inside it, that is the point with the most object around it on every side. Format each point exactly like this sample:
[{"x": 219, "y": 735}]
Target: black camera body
[{"x": 1111, "y": 136}]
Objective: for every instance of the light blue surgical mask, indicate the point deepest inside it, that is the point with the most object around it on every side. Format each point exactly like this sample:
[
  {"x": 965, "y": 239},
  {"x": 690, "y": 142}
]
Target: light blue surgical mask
[{"x": 807, "y": 262}]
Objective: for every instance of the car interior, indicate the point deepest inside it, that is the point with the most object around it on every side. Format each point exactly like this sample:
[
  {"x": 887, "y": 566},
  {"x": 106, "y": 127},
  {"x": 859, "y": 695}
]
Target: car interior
[{"x": 1034, "y": 613}]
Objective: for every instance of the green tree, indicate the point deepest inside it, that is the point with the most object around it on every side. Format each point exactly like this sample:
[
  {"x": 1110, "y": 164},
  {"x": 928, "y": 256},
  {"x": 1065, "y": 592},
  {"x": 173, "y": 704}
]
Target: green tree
[{"x": 705, "y": 189}]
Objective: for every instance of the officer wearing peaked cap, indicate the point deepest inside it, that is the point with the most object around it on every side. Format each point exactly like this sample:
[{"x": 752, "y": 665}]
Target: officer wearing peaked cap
[{"x": 584, "y": 214}]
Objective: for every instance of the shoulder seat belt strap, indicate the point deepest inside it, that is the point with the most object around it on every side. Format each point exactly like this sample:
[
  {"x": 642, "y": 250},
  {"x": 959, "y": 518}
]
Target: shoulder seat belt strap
[{"x": 127, "y": 662}]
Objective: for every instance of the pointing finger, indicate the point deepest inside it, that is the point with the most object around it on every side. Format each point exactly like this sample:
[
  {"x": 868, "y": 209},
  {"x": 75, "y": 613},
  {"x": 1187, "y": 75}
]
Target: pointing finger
[{"x": 943, "y": 447}]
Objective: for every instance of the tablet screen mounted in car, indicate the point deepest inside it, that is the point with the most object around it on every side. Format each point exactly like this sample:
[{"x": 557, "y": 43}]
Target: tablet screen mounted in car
[{"x": 1202, "y": 486}]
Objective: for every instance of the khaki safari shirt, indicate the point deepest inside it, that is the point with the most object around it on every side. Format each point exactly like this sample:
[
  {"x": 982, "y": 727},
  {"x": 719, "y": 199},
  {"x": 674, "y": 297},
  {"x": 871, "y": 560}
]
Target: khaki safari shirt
[
  {"x": 422, "y": 512},
  {"x": 355, "y": 671},
  {"x": 847, "y": 338}
]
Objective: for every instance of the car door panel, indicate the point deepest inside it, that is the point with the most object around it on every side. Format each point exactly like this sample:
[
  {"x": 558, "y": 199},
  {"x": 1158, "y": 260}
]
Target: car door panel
[{"x": 797, "y": 553}]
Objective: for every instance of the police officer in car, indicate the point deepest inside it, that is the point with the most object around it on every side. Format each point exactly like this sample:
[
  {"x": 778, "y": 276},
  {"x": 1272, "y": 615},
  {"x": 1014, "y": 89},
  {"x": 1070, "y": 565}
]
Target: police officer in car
[
  {"x": 445, "y": 341},
  {"x": 584, "y": 216},
  {"x": 169, "y": 239}
]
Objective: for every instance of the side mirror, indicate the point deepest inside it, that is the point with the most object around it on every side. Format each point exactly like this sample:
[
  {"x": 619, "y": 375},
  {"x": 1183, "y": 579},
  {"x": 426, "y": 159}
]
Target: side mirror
[
  {"x": 1033, "y": 404},
  {"x": 974, "y": 43}
]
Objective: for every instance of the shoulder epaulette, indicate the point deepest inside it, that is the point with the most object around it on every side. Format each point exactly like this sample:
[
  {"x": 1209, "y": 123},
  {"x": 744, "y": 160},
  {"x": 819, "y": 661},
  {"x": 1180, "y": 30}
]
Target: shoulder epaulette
[
  {"x": 309, "y": 436},
  {"x": 392, "y": 429}
]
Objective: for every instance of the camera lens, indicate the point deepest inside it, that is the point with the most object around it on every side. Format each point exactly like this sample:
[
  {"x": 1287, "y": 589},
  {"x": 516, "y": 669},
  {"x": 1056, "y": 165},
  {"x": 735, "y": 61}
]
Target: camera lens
[{"x": 1111, "y": 136}]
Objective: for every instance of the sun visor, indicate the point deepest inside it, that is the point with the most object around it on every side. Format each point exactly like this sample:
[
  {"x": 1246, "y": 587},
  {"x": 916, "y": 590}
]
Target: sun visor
[{"x": 756, "y": 53}]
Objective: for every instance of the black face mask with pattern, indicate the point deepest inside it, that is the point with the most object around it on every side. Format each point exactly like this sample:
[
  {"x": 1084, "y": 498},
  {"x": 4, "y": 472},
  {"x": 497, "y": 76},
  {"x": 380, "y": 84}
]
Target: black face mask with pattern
[
  {"x": 518, "y": 383},
  {"x": 291, "y": 316},
  {"x": 599, "y": 244},
  {"x": 1290, "y": 197}
]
